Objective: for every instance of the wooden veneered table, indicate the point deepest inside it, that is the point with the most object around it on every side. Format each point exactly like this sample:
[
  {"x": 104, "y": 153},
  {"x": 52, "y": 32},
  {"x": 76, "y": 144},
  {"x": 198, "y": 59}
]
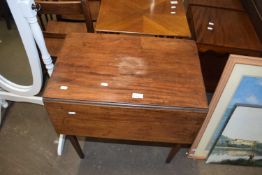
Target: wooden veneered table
[
  {"x": 154, "y": 17},
  {"x": 127, "y": 88}
]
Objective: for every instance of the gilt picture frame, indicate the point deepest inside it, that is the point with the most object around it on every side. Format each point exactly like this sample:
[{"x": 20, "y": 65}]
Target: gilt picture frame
[{"x": 236, "y": 85}]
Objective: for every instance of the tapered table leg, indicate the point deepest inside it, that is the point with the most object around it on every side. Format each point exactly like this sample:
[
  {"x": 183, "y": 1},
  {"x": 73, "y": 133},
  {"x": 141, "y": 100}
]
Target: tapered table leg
[
  {"x": 76, "y": 145},
  {"x": 172, "y": 153}
]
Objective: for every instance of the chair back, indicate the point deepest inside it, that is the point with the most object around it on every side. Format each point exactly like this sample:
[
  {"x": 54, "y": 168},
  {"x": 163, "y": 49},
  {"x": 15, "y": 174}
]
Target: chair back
[{"x": 80, "y": 7}]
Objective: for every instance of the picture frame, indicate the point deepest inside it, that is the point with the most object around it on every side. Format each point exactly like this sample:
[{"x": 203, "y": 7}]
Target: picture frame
[
  {"x": 232, "y": 82},
  {"x": 240, "y": 142}
]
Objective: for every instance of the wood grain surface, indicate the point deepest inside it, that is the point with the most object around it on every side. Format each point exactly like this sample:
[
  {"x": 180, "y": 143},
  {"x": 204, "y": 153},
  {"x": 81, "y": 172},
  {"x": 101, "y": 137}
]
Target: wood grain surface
[
  {"x": 166, "y": 71},
  {"x": 54, "y": 43},
  {"x": 142, "y": 17},
  {"x": 65, "y": 27},
  {"x": 60, "y": 7},
  {"x": 126, "y": 123},
  {"x": 233, "y": 31},
  {"x": 226, "y": 4}
]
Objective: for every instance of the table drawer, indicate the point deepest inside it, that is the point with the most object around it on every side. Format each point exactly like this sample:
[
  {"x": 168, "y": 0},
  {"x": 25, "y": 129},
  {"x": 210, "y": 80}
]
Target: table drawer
[
  {"x": 129, "y": 123},
  {"x": 224, "y": 31}
]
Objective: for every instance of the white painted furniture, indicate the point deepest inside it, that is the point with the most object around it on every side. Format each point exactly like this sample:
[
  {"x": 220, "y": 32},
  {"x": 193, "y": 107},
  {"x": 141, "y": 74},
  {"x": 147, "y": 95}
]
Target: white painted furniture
[{"x": 30, "y": 33}]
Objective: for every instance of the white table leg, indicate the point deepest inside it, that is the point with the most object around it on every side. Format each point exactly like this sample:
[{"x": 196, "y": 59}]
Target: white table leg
[
  {"x": 61, "y": 143},
  {"x": 3, "y": 104}
]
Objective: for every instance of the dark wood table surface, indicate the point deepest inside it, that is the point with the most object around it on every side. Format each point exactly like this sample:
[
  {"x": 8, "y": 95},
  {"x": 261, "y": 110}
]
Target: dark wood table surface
[
  {"x": 128, "y": 88},
  {"x": 145, "y": 17},
  {"x": 225, "y": 4}
]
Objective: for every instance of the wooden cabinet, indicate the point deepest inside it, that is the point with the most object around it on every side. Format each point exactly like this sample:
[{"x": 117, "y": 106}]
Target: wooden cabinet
[
  {"x": 221, "y": 28},
  {"x": 127, "y": 88},
  {"x": 224, "y": 31}
]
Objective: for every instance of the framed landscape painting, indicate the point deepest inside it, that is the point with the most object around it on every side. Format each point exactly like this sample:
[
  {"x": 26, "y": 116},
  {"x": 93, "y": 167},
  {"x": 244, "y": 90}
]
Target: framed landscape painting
[
  {"x": 241, "y": 140},
  {"x": 241, "y": 82}
]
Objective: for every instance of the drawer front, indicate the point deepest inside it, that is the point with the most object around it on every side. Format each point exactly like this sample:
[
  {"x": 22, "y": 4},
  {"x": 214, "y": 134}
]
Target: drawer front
[
  {"x": 171, "y": 126},
  {"x": 226, "y": 29}
]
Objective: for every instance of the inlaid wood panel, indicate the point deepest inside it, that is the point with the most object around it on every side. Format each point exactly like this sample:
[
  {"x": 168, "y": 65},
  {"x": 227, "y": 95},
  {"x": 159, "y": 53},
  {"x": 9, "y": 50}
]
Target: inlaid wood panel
[
  {"x": 143, "y": 17},
  {"x": 111, "y": 68}
]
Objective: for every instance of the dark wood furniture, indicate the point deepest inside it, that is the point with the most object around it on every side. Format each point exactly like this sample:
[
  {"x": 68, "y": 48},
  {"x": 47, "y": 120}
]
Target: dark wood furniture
[
  {"x": 223, "y": 4},
  {"x": 221, "y": 28},
  {"x": 55, "y": 31},
  {"x": 94, "y": 6},
  {"x": 254, "y": 9},
  {"x": 127, "y": 88},
  {"x": 232, "y": 31},
  {"x": 144, "y": 17}
]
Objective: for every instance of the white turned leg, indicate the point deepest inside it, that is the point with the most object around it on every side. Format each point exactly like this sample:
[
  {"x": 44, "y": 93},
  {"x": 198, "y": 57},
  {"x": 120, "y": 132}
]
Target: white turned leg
[
  {"x": 61, "y": 143},
  {"x": 3, "y": 104},
  {"x": 30, "y": 14},
  {"x": 39, "y": 38}
]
